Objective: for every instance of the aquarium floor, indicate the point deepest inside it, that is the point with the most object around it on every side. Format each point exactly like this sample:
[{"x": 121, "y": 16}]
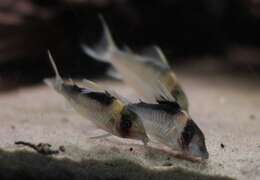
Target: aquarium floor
[{"x": 227, "y": 108}]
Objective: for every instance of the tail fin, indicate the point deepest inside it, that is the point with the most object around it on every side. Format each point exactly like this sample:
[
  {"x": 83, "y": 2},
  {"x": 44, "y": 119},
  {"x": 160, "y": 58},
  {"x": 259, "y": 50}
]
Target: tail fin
[
  {"x": 58, "y": 81},
  {"x": 106, "y": 45}
]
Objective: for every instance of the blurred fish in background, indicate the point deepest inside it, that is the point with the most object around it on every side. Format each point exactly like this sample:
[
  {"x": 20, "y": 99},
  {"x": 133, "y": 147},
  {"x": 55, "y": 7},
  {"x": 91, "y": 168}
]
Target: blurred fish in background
[{"x": 188, "y": 31}]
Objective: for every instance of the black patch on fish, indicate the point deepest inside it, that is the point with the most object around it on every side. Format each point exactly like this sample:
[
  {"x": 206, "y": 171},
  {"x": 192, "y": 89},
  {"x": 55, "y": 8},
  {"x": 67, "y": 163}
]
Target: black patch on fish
[
  {"x": 126, "y": 119},
  {"x": 191, "y": 130},
  {"x": 103, "y": 98},
  {"x": 126, "y": 123},
  {"x": 188, "y": 133},
  {"x": 166, "y": 106},
  {"x": 174, "y": 105},
  {"x": 72, "y": 89}
]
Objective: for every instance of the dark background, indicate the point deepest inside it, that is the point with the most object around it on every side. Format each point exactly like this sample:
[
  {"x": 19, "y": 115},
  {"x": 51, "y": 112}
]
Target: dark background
[{"x": 188, "y": 31}]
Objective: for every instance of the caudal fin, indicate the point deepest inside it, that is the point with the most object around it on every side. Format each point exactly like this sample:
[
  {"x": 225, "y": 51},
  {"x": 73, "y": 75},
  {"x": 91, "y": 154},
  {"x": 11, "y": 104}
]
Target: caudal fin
[
  {"x": 57, "y": 82},
  {"x": 102, "y": 50}
]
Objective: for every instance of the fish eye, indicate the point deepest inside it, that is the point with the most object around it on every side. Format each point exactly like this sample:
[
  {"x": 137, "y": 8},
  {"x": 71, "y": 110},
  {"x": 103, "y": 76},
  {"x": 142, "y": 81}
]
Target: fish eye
[
  {"x": 126, "y": 124},
  {"x": 187, "y": 136},
  {"x": 177, "y": 92}
]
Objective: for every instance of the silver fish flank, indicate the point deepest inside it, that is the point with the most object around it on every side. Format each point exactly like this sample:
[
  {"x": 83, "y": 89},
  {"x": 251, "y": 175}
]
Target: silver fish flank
[
  {"x": 168, "y": 124},
  {"x": 106, "y": 111}
]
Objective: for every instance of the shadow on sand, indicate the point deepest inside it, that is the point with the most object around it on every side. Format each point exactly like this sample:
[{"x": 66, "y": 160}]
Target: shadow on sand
[{"x": 32, "y": 166}]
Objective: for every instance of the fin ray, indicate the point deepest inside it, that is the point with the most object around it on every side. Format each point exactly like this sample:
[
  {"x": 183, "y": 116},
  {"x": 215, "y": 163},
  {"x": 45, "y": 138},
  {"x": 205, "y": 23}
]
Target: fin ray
[
  {"x": 102, "y": 50},
  {"x": 112, "y": 72},
  {"x": 57, "y": 74},
  {"x": 92, "y": 86},
  {"x": 155, "y": 53},
  {"x": 58, "y": 81},
  {"x": 101, "y": 136}
]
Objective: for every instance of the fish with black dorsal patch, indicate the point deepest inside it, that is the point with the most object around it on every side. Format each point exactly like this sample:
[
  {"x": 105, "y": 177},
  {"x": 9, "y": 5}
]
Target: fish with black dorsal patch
[
  {"x": 148, "y": 73},
  {"x": 169, "y": 124},
  {"x": 106, "y": 110}
]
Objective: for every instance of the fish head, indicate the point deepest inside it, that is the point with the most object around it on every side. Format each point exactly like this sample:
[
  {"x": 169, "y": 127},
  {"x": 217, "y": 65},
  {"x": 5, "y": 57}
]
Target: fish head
[
  {"x": 130, "y": 126},
  {"x": 180, "y": 97},
  {"x": 193, "y": 141},
  {"x": 197, "y": 148}
]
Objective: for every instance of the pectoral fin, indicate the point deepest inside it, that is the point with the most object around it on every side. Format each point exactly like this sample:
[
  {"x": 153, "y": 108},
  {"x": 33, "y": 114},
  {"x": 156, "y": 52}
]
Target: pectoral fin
[{"x": 101, "y": 136}]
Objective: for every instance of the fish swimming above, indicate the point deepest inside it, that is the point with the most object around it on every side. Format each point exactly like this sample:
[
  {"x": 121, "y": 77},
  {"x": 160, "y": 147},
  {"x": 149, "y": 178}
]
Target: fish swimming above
[
  {"x": 105, "y": 109},
  {"x": 168, "y": 124},
  {"x": 148, "y": 73}
]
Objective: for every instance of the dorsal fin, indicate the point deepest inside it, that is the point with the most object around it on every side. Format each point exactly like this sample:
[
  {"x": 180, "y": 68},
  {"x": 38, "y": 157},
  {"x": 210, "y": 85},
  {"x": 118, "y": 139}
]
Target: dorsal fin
[
  {"x": 154, "y": 52},
  {"x": 160, "y": 54},
  {"x": 57, "y": 74},
  {"x": 56, "y": 82},
  {"x": 164, "y": 93},
  {"x": 90, "y": 85}
]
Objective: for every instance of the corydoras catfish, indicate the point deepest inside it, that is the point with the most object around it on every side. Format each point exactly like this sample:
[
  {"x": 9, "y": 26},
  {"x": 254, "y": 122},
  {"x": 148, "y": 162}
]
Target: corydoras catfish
[
  {"x": 148, "y": 73},
  {"x": 105, "y": 110},
  {"x": 170, "y": 125}
]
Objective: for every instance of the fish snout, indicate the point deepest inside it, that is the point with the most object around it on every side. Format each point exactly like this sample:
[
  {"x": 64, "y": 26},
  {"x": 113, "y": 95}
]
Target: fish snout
[
  {"x": 205, "y": 155},
  {"x": 139, "y": 134},
  {"x": 198, "y": 150}
]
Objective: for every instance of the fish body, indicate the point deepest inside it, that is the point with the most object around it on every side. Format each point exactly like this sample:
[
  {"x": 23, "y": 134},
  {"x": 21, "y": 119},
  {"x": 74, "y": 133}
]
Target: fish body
[
  {"x": 139, "y": 76},
  {"x": 148, "y": 73},
  {"x": 106, "y": 111},
  {"x": 170, "y": 125}
]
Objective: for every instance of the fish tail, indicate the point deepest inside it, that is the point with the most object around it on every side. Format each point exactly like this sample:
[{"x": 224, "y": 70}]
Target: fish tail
[
  {"x": 102, "y": 50},
  {"x": 58, "y": 81}
]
